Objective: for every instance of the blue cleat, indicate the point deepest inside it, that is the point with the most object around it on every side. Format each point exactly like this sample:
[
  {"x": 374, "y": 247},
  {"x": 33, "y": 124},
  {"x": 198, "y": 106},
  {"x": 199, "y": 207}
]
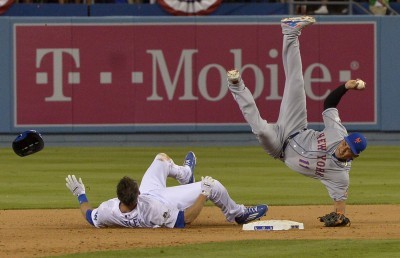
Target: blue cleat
[
  {"x": 252, "y": 213},
  {"x": 297, "y": 23},
  {"x": 190, "y": 160}
]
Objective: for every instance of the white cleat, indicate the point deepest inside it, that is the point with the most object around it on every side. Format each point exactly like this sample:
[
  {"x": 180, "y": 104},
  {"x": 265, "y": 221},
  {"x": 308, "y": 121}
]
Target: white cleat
[
  {"x": 297, "y": 23},
  {"x": 233, "y": 76}
]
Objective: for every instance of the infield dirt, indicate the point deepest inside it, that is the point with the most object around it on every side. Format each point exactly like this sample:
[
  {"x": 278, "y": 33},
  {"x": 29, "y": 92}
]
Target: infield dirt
[{"x": 40, "y": 233}]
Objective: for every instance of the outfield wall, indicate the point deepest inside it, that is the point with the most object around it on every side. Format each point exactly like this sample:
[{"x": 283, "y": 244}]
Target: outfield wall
[{"x": 167, "y": 74}]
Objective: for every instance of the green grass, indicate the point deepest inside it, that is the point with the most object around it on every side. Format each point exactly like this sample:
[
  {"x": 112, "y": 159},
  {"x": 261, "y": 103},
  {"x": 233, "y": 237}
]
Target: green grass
[
  {"x": 250, "y": 175},
  {"x": 266, "y": 248}
]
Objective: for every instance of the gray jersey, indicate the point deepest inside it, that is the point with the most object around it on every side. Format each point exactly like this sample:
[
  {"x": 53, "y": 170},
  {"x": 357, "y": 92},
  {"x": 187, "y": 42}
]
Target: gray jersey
[{"x": 311, "y": 153}]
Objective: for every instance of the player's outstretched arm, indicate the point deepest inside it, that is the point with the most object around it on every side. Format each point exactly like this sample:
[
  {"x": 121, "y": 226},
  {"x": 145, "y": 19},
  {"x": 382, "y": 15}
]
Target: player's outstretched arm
[
  {"x": 336, "y": 95},
  {"x": 77, "y": 188}
]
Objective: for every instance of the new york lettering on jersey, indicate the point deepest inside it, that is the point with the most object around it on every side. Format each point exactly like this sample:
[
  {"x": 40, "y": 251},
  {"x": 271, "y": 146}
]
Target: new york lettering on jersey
[{"x": 314, "y": 161}]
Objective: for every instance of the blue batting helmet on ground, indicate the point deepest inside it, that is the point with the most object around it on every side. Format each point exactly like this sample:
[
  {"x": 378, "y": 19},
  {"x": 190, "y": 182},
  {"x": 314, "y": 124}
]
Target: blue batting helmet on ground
[{"x": 27, "y": 143}]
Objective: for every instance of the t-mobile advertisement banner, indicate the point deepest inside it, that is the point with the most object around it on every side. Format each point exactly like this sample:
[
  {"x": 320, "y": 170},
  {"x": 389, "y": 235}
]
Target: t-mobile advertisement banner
[{"x": 175, "y": 74}]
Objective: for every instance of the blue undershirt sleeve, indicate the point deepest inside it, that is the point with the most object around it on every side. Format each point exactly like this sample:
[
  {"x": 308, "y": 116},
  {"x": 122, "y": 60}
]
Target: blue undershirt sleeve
[
  {"x": 89, "y": 217},
  {"x": 180, "y": 221}
]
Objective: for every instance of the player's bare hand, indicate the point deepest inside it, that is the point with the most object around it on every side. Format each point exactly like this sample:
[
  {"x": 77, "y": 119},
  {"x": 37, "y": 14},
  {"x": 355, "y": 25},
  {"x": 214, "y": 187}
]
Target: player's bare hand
[
  {"x": 76, "y": 187},
  {"x": 207, "y": 184},
  {"x": 357, "y": 84}
]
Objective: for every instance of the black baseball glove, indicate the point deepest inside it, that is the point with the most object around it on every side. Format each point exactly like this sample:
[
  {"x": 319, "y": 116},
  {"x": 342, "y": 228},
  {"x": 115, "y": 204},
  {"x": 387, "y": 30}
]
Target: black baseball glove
[{"x": 335, "y": 219}]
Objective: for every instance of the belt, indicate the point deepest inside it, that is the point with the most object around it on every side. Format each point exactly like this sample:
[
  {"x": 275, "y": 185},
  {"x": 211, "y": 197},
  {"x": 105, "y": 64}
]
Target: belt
[{"x": 285, "y": 144}]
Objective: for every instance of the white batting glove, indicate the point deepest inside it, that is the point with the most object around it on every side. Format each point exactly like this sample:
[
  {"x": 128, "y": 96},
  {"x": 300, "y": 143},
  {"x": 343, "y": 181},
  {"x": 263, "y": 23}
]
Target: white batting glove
[
  {"x": 76, "y": 187},
  {"x": 207, "y": 183}
]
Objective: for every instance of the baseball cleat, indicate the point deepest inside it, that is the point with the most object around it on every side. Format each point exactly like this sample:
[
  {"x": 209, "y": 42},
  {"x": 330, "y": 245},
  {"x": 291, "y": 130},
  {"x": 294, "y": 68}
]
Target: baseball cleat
[
  {"x": 297, "y": 23},
  {"x": 190, "y": 161},
  {"x": 252, "y": 213},
  {"x": 233, "y": 76}
]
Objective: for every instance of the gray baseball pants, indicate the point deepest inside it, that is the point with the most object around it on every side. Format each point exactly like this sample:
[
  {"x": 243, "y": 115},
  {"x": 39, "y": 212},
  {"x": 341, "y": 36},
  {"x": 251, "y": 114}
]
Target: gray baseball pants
[{"x": 292, "y": 114}]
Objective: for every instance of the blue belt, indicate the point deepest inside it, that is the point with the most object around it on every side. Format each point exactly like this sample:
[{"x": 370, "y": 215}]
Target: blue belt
[{"x": 285, "y": 144}]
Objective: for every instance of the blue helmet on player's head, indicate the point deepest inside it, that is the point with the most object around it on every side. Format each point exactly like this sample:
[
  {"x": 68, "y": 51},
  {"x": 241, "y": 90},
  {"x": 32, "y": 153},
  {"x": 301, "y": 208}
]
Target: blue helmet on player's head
[{"x": 357, "y": 142}]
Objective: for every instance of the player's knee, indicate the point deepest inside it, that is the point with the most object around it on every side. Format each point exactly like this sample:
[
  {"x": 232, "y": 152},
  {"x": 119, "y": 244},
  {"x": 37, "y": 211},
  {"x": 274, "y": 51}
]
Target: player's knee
[
  {"x": 218, "y": 189},
  {"x": 163, "y": 157}
]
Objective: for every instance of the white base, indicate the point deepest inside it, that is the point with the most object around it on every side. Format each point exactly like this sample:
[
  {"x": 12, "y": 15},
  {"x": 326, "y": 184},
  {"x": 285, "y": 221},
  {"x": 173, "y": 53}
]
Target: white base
[{"x": 269, "y": 225}]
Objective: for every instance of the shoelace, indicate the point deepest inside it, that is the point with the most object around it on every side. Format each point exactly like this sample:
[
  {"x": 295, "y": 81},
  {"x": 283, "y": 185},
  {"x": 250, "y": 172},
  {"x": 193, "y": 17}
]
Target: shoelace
[
  {"x": 188, "y": 163},
  {"x": 251, "y": 210}
]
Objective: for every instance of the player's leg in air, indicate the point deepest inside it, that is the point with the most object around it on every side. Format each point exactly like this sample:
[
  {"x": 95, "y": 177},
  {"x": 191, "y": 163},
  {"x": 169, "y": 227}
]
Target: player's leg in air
[
  {"x": 267, "y": 134},
  {"x": 293, "y": 114},
  {"x": 184, "y": 195},
  {"x": 162, "y": 167}
]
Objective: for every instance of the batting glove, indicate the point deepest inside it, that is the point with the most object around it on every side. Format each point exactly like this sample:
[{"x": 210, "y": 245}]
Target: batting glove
[
  {"x": 76, "y": 187},
  {"x": 207, "y": 184}
]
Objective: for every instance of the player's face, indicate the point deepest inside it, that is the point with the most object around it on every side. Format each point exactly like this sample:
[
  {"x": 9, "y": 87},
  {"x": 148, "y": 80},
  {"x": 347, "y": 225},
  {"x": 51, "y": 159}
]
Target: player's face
[{"x": 344, "y": 152}]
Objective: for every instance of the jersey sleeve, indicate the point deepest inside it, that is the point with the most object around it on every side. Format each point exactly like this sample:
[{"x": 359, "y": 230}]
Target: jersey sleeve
[
  {"x": 97, "y": 218},
  {"x": 332, "y": 120},
  {"x": 103, "y": 216},
  {"x": 333, "y": 124},
  {"x": 337, "y": 190}
]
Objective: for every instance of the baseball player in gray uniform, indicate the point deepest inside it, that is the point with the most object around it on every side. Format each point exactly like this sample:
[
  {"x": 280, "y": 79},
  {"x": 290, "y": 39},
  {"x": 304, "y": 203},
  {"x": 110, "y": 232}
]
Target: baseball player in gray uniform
[
  {"x": 153, "y": 204},
  {"x": 324, "y": 155}
]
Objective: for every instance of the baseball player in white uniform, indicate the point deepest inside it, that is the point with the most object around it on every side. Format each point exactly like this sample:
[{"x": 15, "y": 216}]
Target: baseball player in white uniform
[
  {"x": 324, "y": 155},
  {"x": 153, "y": 204}
]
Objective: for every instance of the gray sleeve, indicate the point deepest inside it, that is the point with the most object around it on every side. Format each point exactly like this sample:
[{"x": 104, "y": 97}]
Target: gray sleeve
[
  {"x": 332, "y": 120},
  {"x": 337, "y": 189}
]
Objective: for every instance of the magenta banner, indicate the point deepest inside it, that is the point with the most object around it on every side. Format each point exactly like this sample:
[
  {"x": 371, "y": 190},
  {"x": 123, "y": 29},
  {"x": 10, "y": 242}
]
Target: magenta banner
[{"x": 174, "y": 74}]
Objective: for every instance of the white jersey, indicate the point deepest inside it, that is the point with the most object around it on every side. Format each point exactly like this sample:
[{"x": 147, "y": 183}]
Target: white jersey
[
  {"x": 162, "y": 206},
  {"x": 148, "y": 213}
]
